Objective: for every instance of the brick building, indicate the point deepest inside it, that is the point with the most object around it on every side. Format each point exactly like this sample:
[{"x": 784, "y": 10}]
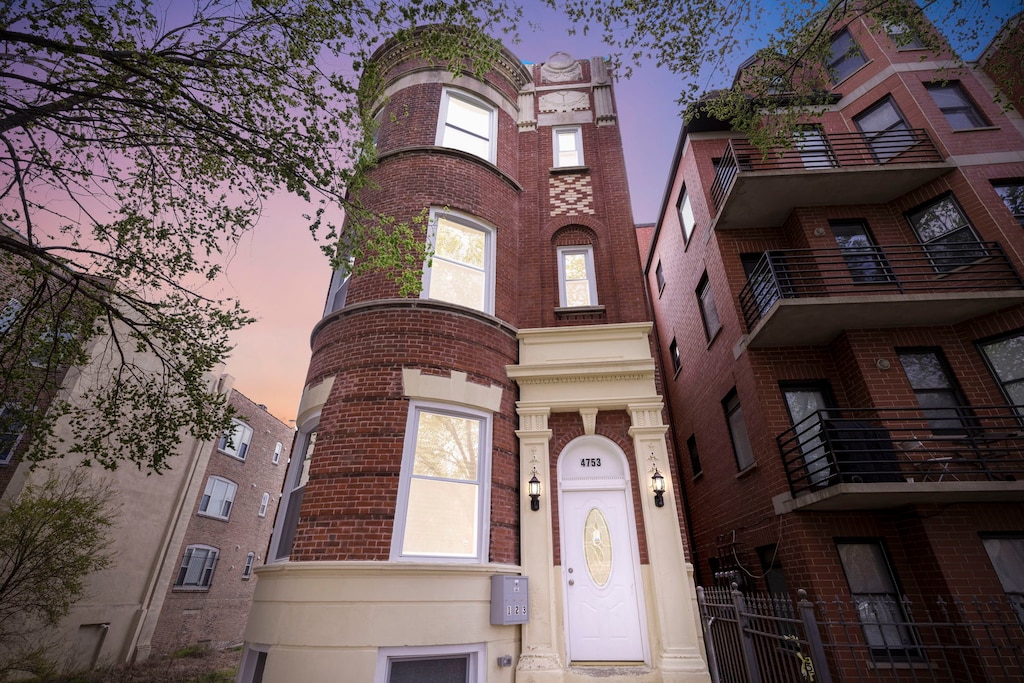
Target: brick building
[
  {"x": 229, "y": 527},
  {"x": 525, "y": 367},
  {"x": 842, "y": 329}
]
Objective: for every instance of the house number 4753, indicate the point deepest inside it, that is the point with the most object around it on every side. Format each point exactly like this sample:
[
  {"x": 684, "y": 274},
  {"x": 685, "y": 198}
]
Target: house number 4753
[{"x": 590, "y": 462}]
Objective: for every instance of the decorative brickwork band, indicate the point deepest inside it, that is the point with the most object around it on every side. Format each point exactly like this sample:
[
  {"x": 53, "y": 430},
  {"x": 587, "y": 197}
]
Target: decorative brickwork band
[{"x": 571, "y": 194}]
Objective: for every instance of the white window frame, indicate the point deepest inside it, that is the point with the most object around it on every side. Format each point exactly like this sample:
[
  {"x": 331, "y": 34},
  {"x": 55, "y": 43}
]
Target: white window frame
[
  {"x": 587, "y": 252},
  {"x": 278, "y": 447},
  {"x": 442, "y": 122},
  {"x": 250, "y": 560},
  {"x": 264, "y": 504},
  {"x": 218, "y": 504},
  {"x": 489, "y": 259},
  {"x": 241, "y": 438},
  {"x": 687, "y": 221},
  {"x": 206, "y": 575},
  {"x": 483, "y": 482},
  {"x": 476, "y": 653},
  {"x": 294, "y": 486},
  {"x": 556, "y": 137},
  {"x": 8, "y": 454}
]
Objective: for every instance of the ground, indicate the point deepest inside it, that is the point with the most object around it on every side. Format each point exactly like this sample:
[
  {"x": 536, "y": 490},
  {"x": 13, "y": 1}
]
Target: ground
[{"x": 192, "y": 665}]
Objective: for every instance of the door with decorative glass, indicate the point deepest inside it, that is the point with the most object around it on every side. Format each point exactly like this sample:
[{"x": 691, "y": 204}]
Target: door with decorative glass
[{"x": 599, "y": 559}]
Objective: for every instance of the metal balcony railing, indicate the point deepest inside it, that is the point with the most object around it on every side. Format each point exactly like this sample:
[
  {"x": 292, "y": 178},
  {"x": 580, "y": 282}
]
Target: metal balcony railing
[
  {"x": 899, "y": 445},
  {"x": 895, "y": 269},
  {"x": 814, "y": 150}
]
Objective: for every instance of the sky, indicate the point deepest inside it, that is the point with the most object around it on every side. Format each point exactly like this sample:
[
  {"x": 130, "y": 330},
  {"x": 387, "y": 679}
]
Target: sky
[{"x": 282, "y": 278}]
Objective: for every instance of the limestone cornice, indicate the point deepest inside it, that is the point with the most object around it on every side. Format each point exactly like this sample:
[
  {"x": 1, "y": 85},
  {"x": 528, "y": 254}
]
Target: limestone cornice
[{"x": 593, "y": 371}]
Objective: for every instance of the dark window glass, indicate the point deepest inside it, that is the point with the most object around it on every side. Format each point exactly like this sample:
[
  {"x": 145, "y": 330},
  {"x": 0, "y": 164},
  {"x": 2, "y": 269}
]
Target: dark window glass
[
  {"x": 659, "y": 274},
  {"x": 885, "y": 130},
  {"x": 691, "y": 446},
  {"x": 936, "y": 389},
  {"x": 956, "y": 106},
  {"x": 877, "y": 599},
  {"x": 673, "y": 352},
  {"x": 1005, "y": 357},
  {"x": 845, "y": 56},
  {"x": 438, "y": 670},
  {"x": 708, "y": 311},
  {"x": 738, "y": 431},
  {"x": 948, "y": 237},
  {"x": 1007, "y": 556},
  {"x": 866, "y": 262},
  {"x": 1012, "y": 195}
]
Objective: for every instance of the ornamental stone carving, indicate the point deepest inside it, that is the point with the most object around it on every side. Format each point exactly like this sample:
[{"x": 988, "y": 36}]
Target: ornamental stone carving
[{"x": 561, "y": 68}]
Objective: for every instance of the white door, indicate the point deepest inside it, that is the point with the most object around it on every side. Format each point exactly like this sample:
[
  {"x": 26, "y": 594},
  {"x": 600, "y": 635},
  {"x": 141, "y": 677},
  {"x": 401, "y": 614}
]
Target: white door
[{"x": 601, "y": 588}]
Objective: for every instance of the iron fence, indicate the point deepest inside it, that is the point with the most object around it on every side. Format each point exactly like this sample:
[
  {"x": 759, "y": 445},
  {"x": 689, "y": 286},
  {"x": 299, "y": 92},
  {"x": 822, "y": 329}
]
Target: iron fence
[
  {"x": 873, "y": 270},
  {"x": 758, "y": 638},
  {"x": 903, "y": 444}
]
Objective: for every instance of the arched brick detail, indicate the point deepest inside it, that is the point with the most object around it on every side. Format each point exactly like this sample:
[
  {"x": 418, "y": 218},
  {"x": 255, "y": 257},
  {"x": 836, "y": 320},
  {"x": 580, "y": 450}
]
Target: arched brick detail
[
  {"x": 574, "y": 235},
  {"x": 577, "y": 220}
]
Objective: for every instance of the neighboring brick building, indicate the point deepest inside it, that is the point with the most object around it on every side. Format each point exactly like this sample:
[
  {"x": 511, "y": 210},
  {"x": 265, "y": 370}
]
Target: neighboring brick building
[
  {"x": 527, "y": 358},
  {"x": 208, "y": 599},
  {"x": 842, "y": 329}
]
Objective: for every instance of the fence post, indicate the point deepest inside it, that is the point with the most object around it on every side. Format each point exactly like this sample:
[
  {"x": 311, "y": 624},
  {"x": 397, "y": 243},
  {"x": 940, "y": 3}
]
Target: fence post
[
  {"x": 814, "y": 644},
  {"x": 746, "y": 639},
  {"x": 709, "y": 639}
]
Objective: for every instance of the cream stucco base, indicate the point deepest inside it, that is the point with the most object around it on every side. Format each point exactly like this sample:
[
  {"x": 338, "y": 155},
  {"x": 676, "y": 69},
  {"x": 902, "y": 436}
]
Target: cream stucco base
[{"x": 324, "y": 621}]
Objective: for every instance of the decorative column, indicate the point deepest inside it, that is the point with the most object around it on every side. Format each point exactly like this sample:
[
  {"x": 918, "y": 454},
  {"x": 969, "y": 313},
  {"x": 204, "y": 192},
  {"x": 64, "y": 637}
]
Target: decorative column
[
  {"x": 539, "y": 660},
  {"x": 679, "y": 657}
]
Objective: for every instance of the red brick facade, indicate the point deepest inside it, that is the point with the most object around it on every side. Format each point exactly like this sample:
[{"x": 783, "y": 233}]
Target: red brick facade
[{"x": 739, "y": 516}]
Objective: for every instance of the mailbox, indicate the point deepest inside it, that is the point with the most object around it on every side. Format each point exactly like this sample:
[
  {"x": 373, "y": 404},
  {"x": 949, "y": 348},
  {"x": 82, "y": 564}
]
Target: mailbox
[{"x": 510, "y": 597}]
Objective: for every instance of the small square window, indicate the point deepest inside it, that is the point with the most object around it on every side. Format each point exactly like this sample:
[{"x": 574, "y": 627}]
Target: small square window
[
  {"x": 954, "y": 103},
  {"x": 568, "y": 146},
  {"x": 845, "y": 56}
]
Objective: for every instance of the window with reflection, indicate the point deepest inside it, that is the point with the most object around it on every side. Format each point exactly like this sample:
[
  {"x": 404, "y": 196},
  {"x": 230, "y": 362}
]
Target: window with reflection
[
  {"x": 1012, "y": 194},
  {"x": 845, "y": 56},
  {"x": 467, "y": 123},
  {"x": 948, "y": 237},
  {"x": 576, "y": 276},
  {"x": 1005, "y": 358},
  {"x": 568, "y": 146},
  {"x": 444, "y": 485},
  {"x": 461, "y": 270}
]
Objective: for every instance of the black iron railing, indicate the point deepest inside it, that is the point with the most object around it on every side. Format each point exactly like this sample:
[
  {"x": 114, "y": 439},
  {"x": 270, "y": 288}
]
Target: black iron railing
[
  {"x": 815, "y": 150},
  {"x": 900, "y": 445},
  {"x": 895, "y": 269}
]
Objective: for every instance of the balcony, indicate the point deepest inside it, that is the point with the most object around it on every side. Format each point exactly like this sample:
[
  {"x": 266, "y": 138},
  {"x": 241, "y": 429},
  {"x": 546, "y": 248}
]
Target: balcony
[
  {"x": 805, "y": 297},
  {"x": 757, "y": 189},
  {"x": 877, "y": 458}
]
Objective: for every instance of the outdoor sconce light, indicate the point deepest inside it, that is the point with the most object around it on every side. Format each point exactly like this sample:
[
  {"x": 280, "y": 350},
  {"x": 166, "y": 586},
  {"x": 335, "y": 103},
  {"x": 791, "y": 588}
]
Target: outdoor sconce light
[
  {"x": 534, "y": 491},
  {"x": 658, "y": 484}
]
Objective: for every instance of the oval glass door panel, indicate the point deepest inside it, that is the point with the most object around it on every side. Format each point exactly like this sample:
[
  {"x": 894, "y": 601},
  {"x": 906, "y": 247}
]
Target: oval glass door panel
[{"x": 597, "y": 547}]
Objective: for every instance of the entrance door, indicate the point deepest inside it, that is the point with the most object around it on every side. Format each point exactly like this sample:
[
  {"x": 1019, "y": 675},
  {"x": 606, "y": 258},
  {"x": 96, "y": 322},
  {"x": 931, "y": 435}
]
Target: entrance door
[{"x": 601, "y": 588}]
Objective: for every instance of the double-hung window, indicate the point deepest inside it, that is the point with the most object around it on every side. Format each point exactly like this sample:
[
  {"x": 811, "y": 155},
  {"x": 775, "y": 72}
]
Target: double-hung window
[
  {"x": 885, "y": 130},
  {"x": 218, "y": 498},
  {"x": 250, "y": 560},
  {"x": 1005, "y": 357},
  {"x": 467, "y": 123},
  {"x": 738, "y": 431},
  {"x": 845, "y": 56},
  {"x": 877, "y": 600},
  {"x": 461, "y": 270},
  {"x": 264, "y": 503},
  {"x": 936, "y": 389},
  {"x": 444, "y": 488},
  {"x": 197, "y": 567},
  {"x": 568, "y": 146},
  {"x": 947, "y": 235},
  {"x": 576, "y": 276},
  {"x": 686, "y": 219},
  {"x": 294, "y": 490},
  {"x": 278, "y": 447},
  {"x": 1012, "y": 194},
  {"x": 903, "y": 37},
  {"x": 236, "y": 442},
  {"x": 954, "y": 103}
]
